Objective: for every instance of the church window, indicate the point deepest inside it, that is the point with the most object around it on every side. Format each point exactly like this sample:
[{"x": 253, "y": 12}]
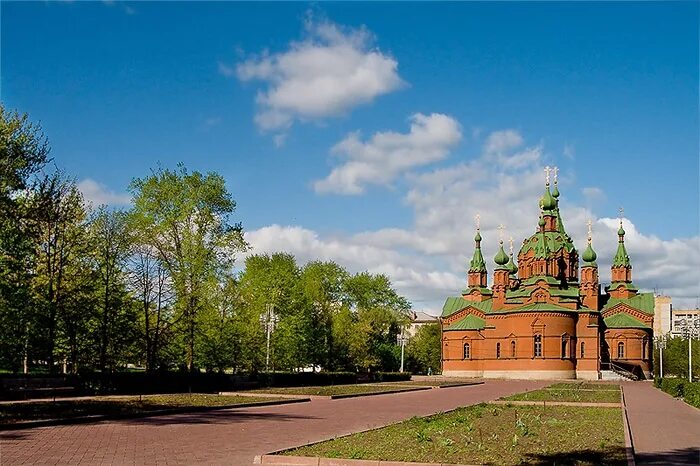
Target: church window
[
  {"x": 565, "y": 346},
  {"x": 583, "y": 350},
  {"x": 621, "y": 350},
  {"x": 498, "y": 351},
  {"x": 512, "y": 349},
  {"x": 467, "y": 351},
  {"x": 538, "y": 346}
]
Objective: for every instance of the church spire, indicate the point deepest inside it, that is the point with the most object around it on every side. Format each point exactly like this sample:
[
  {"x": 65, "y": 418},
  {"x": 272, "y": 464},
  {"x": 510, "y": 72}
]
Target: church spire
[
  {"x": 621, "y": 284},
  {"x": 589, "y": 256},
  {"x": 621, "y": 259},
  {"x": 477, "y": 275}
]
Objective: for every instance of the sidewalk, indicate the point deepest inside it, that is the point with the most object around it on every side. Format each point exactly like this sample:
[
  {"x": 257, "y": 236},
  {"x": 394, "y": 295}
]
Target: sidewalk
[
  {"x": 234, "y": 436},
  {"x": 665, "y": 431}
]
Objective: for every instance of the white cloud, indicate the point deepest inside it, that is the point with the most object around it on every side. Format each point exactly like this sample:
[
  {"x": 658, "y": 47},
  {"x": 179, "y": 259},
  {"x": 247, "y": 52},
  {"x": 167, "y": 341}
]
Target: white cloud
[
  {"x": 98, "y": 194},
  {"x": 428, "y": 261},
  {"x": 593, "y": 194},
  {"x": 389, "y": 154},
  {"x": 327, "y": 74},
  {"x": 502, "y": 141}
]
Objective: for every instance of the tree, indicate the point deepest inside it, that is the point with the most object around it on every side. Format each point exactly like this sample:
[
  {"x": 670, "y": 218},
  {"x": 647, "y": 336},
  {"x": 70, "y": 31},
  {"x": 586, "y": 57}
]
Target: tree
[
  {"x": 23, "y": 152},
  {"x": 111, "y": 240},
  {"x": 184, "y": 217},
  {"x": 423, "y": 349},
  {"x": 63, "y": 273}
]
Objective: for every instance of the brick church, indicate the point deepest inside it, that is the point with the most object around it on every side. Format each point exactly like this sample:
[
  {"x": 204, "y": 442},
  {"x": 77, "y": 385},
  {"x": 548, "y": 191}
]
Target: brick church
[{"x": 546, "y": 318}]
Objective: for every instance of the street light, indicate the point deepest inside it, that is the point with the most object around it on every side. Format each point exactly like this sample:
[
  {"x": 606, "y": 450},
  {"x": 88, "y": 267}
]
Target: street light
[
  {"x": 401, "y": 339},
  {"x": 660, "y": 342},
  {"x": 269, "y": 320}
]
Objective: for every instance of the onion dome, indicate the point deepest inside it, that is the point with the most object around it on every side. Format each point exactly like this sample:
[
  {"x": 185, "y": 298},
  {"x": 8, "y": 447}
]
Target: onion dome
[
  {"x": 555, "y": 192},
  {"x": 589, "y": 254},
  {"x": 621, "y": 231},
  {"x": 541, "y": 222},
  {"x": 501, "y": 258},
  {"x": 548, "y": 202},
  {"x": 477, "y": 237},
  {"x": 511, "y": 265}
]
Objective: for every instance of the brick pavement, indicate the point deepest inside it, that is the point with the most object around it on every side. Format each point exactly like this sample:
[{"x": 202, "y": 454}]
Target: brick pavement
[
  {"x": 233, "y": 436},
  {"x": 665, "y": 430}
]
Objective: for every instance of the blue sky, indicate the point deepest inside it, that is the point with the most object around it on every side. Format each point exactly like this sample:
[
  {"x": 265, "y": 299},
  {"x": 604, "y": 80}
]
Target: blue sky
[{"x": 608, "y": 92}]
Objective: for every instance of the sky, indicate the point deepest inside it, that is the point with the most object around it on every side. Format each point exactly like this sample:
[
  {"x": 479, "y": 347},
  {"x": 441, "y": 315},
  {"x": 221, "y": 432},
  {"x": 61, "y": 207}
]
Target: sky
[{"x": 371, "y": 134}]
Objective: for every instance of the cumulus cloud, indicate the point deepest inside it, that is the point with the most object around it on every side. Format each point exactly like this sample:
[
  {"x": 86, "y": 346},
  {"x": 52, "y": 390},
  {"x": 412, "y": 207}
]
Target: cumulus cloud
[
  {"x": 331, "y": 71},
  {"x": 428, "y": 261},
  {"x": 387, "y": 155},
  {"x": 98, "y": 194}
]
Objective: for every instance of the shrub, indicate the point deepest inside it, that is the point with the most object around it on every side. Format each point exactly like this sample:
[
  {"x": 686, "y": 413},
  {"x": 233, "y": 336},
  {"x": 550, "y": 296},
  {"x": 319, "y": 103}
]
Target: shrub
[
  {"x": 391, "y": 376},
  {"x": 679, "y": 388}
]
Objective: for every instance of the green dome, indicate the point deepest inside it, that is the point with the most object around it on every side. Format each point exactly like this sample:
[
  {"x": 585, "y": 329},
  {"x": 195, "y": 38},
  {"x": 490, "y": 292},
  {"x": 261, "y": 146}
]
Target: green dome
[
  {"x": 548, "y": 202},
  {"x": 555, "y": 193},
  {"x": 541, "y": 222},
  {"x": 589, "y": 254},
  {"x": 511, "y": 266},
  {"x": 478, "y": 236},
  {"x": 621, "y": 231},
  {"x": 501, "y": 257}
]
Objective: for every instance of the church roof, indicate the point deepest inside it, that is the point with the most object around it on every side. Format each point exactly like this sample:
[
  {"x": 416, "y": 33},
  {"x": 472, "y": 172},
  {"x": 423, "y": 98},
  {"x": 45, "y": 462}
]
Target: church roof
[
  {"x": 457, "y": 303},
  {"x": 553, "y": 241},
  {"x": 623, "y": 320},
  {"x": 470, "y": 322},
  {"x": 643, "y": 302}
]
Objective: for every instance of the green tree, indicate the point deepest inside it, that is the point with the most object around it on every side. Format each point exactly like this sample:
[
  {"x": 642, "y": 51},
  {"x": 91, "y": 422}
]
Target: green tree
[
  {"x": 423, "y": 350},
  {"x": 111, "y": 247},
  {"x": 185, "y": 217},
  {"x": 63, "y": 273},
  {"x": 23, "y": 152}
]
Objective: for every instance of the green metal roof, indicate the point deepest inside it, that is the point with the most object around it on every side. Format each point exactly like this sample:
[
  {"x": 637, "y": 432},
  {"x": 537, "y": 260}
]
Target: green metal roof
[
  {"x": 553, "y": 241},
  {"x": 535, "y": 307},
  {"x": 621, "y": 259},
  {"x": 643, "y": 302},
  {"x": 623, "y": 320},
  {"x": 457, "y": 303},
  {"x": 470, "y": 322}
]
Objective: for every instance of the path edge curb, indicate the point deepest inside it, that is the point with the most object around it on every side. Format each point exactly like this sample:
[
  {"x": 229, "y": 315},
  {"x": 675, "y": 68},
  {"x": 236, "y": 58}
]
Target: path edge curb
[
  {"x": 160, "y": 412},
  {"x": 357, "y": 395},
  {"x": 629, "y": 444},
  {"x": 322, "y": 461}
]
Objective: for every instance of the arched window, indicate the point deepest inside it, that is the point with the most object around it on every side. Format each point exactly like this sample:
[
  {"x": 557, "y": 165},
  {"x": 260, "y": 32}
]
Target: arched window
[
  {"x": 583, "y": 350},
  {"x": 621, "y": 350},
  {"x": 645, "y": 348},
  {"x": 565, "y": 346},
  {"x": 467, "y": 351},
  {"x": 512, "y": 349},
  {"x": 498, "y": 351},
  {"x": 538, "y": 346}
]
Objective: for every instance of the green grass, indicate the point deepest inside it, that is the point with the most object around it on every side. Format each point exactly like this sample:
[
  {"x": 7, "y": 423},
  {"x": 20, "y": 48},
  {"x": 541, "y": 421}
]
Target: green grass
[
  {"x": 581, "y": 396},
  {"x": 490, "y": 434},
  {"x": 586, "y": 386},
  {"x": 330, "y": 390},
  {"x": 66, "y": 409}
]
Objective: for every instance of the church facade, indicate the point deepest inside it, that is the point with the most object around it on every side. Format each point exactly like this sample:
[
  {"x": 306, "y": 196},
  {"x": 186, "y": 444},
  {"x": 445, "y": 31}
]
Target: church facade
[{"x": 547, "y": 317}]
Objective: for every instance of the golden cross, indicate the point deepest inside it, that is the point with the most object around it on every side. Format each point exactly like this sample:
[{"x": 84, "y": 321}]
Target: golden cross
[
  {"x": 501, "y": 227},
  {"x": 556, "y": 170},
  {"x": 590, "y": 230},
  {"x": 510, "y": 240},
  {"x": 622, "y": 214},
  {"x": 546, "y": 174},
  {"x": 477, "y": 218}
]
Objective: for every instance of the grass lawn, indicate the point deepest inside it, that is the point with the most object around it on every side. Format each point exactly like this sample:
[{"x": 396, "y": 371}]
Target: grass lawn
[
  {"x": 490, "y": 434},
  {"x": 330, "y": 390},
  {"x": 66, "y": 409},
  {"x": 586, "y": 386},
  {"x": 583, "y": 396}
]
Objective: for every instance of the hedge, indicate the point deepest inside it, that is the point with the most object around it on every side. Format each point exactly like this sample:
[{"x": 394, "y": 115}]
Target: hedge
[
  {"x": 680, "y": 388},
  {"x": 391, "y": 376}
]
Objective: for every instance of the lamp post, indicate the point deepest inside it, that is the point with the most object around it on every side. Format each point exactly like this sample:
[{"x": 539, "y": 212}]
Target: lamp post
[
  {"x": 269, "y": 320},
  {"x": 660, "y": 342},
  {"x": 401, "y": 339}
]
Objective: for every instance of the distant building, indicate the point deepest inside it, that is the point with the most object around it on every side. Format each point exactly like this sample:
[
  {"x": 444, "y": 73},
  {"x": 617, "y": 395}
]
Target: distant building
[
  {"x": 546, "y": 318},
  {"x": 418, "y": 319},
  {"x": 682, "y": 318}
]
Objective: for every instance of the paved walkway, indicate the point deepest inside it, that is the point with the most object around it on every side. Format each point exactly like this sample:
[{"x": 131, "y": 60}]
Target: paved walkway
[
  {"x": 664, "y": 430},
  {"x": 233, "y": 436}
]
